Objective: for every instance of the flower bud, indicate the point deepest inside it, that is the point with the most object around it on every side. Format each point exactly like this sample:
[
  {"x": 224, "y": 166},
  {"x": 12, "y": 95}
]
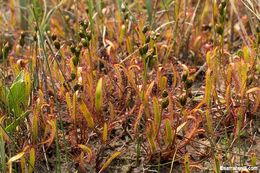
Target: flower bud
[
  {"x": 219, "y": 29},
  {"x": 73, "y": 48},
  {"x": 188, "y": 83},
  {"x": 77, "y": 51},
  {"x": 75, "y": 61},
  {"x": 183, "y": 99},
  {"x": 85, "y": 42},
  {"x": 165, "y": 102},
  {"x": 53, "y": 37},
  {"x": 89, "y": 35},
  {"x": 57, "y": 44},
  {"x": 184, "y": 75},
  {"x": 72, "y": 76},
  {"x": 164, "y": 93},
  {"x": 145, "y": 29}
]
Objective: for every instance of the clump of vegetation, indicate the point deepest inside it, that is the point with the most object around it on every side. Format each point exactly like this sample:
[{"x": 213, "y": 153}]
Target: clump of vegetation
[{"x": 129, "y": 86}]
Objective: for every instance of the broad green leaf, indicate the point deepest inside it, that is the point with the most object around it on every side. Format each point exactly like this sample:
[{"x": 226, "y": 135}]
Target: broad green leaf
[
  {"x": 19, "y": 93},
  {"x": 11, "y": 127}
]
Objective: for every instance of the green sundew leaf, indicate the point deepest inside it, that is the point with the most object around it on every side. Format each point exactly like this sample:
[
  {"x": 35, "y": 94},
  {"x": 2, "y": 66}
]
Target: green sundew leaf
[
  {"x": 3, "y": 94},
  {"x": 11, "y": 127},
  {"x": 122, "y": 33},
  {"x": 209, "y": 121},
  {"x": 243, "y": 68},
  {"x": 169, "y": 132},
  {"x": 208, "y": 87},
  {"x": 23, "y": 165},
  {"x": 163, "y": 82},
  {"x": 2, "y": 153},
  {"x": 156, "y": 110},
  {"x": 148, "y": 92},
  {"x": 32, "y": 160},
  {"x": 229, "y": 74},
  {"x": 228, "y": 95},
  {"x": 240, "y": 118},
  {"x": 86, "y": 113},
  {"x": 105, "y": 132},
  {"x": 3, "y": 139},
  {"x": 208, "y": 59},
  {"x": 253, "y": 159},
  {"x": 86, "y": 149},
  {"x": 152, "y": 144},
  {"x": 27, "y": 80},
  {"x": 74, "y": 102},
  {"x": 119, "y": 79},
  {"x": 111, "y": 111},
  {"x": 149, "y": 8},
  {"x": 150, "y": 137},
  {"x": 217, "y": 164},
  {"x": 35, "y": 122},
  {"x": 187, "y": 163},
  {"x": 68, "y": 101},
  {"x": 15, "y": 158},
  {"x": 246, "y": 53},
  {"x": 180, "y": 127},
  {"x": 109, "y": 160},
  {"x": 98, "y": 95}
]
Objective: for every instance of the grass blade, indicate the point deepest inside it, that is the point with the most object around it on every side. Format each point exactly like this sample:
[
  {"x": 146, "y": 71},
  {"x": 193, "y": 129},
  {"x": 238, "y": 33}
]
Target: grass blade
[{"x": 149, "y": 8}]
